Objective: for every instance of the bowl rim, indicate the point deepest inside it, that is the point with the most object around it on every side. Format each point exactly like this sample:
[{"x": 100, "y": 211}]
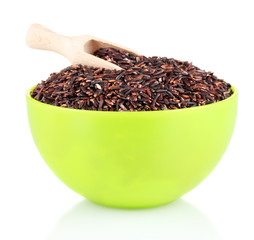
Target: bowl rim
[{"x": 30, "y": 99}]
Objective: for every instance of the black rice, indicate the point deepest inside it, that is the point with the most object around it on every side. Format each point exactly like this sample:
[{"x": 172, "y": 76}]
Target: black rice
[{"x": 144, "y": 84}]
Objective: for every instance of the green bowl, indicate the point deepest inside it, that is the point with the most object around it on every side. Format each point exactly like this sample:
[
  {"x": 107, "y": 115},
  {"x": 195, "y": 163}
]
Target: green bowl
[{"x": 132, "y": 159}]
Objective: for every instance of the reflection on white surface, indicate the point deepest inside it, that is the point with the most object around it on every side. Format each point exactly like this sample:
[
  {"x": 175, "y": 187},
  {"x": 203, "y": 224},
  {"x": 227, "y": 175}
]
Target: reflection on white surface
[{"x": 178, "y": 220}]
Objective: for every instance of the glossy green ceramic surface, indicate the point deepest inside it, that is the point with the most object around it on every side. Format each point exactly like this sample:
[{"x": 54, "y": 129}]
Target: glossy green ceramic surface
[{"x": 132, "y": 159}]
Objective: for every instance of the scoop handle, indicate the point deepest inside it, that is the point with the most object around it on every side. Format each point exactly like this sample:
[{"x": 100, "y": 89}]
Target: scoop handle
[{"x": 39, "y": 37}]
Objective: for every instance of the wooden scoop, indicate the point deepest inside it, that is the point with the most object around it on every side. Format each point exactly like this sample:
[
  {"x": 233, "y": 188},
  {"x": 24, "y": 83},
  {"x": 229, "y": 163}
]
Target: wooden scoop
[{"x": 78, "y": 49}]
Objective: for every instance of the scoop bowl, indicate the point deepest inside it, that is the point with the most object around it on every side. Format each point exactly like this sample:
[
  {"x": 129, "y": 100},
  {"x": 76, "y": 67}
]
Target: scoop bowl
[{"x": 132, "y": 159}]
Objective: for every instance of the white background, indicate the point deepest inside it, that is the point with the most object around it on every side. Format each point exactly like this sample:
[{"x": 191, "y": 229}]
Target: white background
[{"x": 215, "y": 35}]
